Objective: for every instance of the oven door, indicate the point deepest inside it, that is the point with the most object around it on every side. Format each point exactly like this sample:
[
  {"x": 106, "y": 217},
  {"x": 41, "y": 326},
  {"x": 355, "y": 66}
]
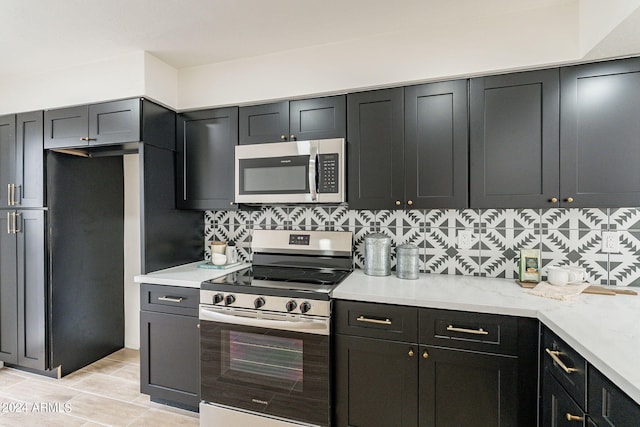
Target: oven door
[{"x": 268, "y": 363}]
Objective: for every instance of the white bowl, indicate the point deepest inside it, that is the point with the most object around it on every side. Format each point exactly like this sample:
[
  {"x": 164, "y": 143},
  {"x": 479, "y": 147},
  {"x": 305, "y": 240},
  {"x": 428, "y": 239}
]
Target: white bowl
[{"x": 218, "y": 259}]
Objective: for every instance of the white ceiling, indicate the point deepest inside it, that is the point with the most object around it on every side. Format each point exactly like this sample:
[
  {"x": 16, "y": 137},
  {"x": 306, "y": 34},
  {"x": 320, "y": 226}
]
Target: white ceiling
[{"x": 41, "y": 35}]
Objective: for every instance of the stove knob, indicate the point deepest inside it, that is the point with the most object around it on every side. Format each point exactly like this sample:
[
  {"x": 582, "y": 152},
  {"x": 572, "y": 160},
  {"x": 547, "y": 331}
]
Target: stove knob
[
  {"x": 291, "y": 305},
  {"x": 229, "y": 299},
  {"x": 304, "y": 307},
  {"x": 217, "y": 298},
  {"x": 258, "y": 302}
]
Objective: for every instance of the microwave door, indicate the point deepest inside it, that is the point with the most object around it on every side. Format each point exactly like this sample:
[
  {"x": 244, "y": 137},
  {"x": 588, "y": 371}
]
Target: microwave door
[{"x": 275, "y": 179}]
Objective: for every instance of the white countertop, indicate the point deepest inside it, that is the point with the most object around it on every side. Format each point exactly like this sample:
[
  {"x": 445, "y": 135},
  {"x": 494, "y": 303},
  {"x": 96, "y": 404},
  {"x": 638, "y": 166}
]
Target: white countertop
[
  {"x": 604, "y": 329},
  {"x": 187, "y": 275}
]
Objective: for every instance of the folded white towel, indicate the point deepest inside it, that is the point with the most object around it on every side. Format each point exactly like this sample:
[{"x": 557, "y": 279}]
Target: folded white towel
[{"x": 563, "y": 293}]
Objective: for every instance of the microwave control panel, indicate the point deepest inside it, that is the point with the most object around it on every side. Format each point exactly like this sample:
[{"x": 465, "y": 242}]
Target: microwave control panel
[{"x": 328, "y": 173}]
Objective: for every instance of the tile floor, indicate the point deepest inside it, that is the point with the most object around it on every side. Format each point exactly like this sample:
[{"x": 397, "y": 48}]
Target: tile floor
[{"x": 105, "y": 393}]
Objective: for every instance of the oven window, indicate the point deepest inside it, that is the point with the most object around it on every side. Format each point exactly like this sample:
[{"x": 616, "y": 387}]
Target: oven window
[
  {"x": 264, "y": 360},
  {"x": 281, "y": 178}
]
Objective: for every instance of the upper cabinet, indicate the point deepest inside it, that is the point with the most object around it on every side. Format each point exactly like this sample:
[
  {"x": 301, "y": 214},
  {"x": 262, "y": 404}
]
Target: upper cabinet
[
  {"x": 206, "y": 143},
  {"x": 91, "y": 125},
  {"x": 21, "y": 160},
  {"x": 408, "y": 147},
  {"x": 317, "y": 118},
  {"x": 514, "y": 140},
  {"x": 599, "y": 129}
]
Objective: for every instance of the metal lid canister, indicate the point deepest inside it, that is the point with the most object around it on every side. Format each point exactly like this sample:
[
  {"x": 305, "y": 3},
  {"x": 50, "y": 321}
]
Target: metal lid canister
[
  {"x": 377, "y": 254},
  {"x": 407, "y": 262}
]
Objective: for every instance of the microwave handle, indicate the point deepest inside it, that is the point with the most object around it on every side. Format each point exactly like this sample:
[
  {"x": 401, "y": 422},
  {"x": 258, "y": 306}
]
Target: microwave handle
[{"x": 313, "y": 174}]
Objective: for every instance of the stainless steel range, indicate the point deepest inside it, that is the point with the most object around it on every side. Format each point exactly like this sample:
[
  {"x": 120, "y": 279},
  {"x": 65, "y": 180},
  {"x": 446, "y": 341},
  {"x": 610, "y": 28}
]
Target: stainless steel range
[{"x": 264, "y": 332}]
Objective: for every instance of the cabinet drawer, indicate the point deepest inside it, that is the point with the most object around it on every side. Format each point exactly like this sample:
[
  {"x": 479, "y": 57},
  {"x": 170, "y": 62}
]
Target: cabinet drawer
[
  {"x": 377, "y": 321},
  {"x": 489, "y": 333},
  {"x": 608, "y": 405},
  {"x": 565, "y": 364},
  {"x": 169, "y": 299}
]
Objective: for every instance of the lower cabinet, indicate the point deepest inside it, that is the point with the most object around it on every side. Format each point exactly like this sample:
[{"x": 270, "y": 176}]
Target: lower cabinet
[
  {"x": 574, "y": 393},
  {"x": 377, "y": 382},
  {"x": 392, "y": 369},
  {"x": 169, "y": 345},
  {"x": 461, "y": 388}
]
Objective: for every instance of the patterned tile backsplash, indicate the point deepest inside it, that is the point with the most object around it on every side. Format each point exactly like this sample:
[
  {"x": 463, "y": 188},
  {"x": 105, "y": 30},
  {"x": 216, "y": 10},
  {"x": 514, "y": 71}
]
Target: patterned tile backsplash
[{"x": 564, "y": 236}]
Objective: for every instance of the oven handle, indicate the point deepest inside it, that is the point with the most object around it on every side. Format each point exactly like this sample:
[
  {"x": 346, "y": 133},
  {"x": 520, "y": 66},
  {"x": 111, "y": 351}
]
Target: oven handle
[{"x": 305, "y": 324}]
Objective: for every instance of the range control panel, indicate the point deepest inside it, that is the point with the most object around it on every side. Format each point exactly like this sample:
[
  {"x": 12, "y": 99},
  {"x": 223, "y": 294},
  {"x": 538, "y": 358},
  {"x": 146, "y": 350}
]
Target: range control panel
[{"x": 328, "y": 173}]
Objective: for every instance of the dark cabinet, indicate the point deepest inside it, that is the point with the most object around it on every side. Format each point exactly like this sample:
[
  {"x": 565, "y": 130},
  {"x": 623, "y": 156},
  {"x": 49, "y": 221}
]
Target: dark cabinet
[
  {"x": 487, "y": 361},
  {"x": 21, "y": 160},
  {"x": 608, "y": 405},
  {"x": 462, "y": 388},
  {"x": 408, "y": 147},
  {"x": 454, "y": 374},
  {"x": 514, "y": 140},
  {"x": 23, "y": 288},
  {"x": 436, "y": 145},
  {"x": 316, "y": 118},
  {"x": 169, "y": 345},
  {"x": 375, "y": 147},
  {"x": 599, "y": 152},
  {"x": 206, "y": 143},
  {"x": 376, "y": 369},
  {"x": 376, "y": 382},
  {"x": 558, "y": 408},
  {"x": 114, "y": 122}
]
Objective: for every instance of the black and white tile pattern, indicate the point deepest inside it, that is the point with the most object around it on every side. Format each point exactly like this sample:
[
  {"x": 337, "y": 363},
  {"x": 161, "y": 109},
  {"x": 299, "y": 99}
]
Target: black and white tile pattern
[{"x": 564, "y": 236}]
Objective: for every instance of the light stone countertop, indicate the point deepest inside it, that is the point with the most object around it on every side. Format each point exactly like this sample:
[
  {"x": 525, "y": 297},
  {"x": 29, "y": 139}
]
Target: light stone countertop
[
  {"x": 187, "y": 275},
  {"x": 603, "y": 329}
]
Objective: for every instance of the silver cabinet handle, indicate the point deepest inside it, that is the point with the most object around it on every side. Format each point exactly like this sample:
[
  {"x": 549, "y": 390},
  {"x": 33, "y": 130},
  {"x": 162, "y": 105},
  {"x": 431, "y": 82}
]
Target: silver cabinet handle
[
  {"x": 376, "y": 321},
  {"x": 16, "y": 230},
  {"x": 170, "y": 299},
  {"x": 9, "y": 194},
  {"x": 17, "y": 200},
  {"x": 480, "y": 331},
  {"x": 9, "y": 222},
  {"x": 555, "y": 355}
]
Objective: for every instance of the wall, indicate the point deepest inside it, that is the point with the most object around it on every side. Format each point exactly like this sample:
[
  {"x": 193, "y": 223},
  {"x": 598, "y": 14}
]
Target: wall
[
  {"x": 131, "y": 251},
  {"x": 564, "y": 236},
  {"x": 437, "y": 49}
]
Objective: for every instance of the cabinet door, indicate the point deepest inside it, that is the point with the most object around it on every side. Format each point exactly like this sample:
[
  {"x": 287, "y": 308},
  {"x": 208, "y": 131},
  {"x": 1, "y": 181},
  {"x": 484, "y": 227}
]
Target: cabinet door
[
  {"x": 558, "y": 408},
  {"x": 7, "y": 157},
  {"x": 31, "y": 289},
  {"x": 30, "y": 165},
  {"x": 170, "y": 357},
  {"x": 318, "y": 118},
  {"x": 461, "y": 388},
  {"x": 264, "y": 123},
  {"x": 376, "y": 383},
  {"x": 114, "y": 122},
  {"x": 66, "y": 127},
  {"x": 435, "y": 164},
  {"x": 600, "y": 152},
  {"x": 608, "y": 405},
  {"x": 375, "y": 146},
  {"x": 8, "y": 291},
  {"x": 206, "y": 163},
  {"x": 514, "y": 140}
]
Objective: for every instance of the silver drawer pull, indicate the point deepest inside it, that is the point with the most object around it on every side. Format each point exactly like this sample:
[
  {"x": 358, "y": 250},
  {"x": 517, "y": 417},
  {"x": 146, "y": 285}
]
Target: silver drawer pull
[
  {"x": 480, "y": 331},
  {"x": 555, "y": 356},
  {"x": 376, "y": 321},
  {"x": 170, "y": 299}
]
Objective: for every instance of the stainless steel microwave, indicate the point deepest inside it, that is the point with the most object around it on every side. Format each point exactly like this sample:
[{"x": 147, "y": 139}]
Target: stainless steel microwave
[{"x": 291, "y": 172}]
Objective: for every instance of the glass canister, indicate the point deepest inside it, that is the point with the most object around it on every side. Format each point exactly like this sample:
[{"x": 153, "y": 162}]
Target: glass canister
[
  {"x": 377, "y": 254},
  {"x": 407, "y": 262}
]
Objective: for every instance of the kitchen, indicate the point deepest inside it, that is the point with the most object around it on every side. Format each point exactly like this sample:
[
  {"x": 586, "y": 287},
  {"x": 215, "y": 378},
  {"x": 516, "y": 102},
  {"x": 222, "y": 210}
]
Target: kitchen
[{"x": 498, "y": 233}]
